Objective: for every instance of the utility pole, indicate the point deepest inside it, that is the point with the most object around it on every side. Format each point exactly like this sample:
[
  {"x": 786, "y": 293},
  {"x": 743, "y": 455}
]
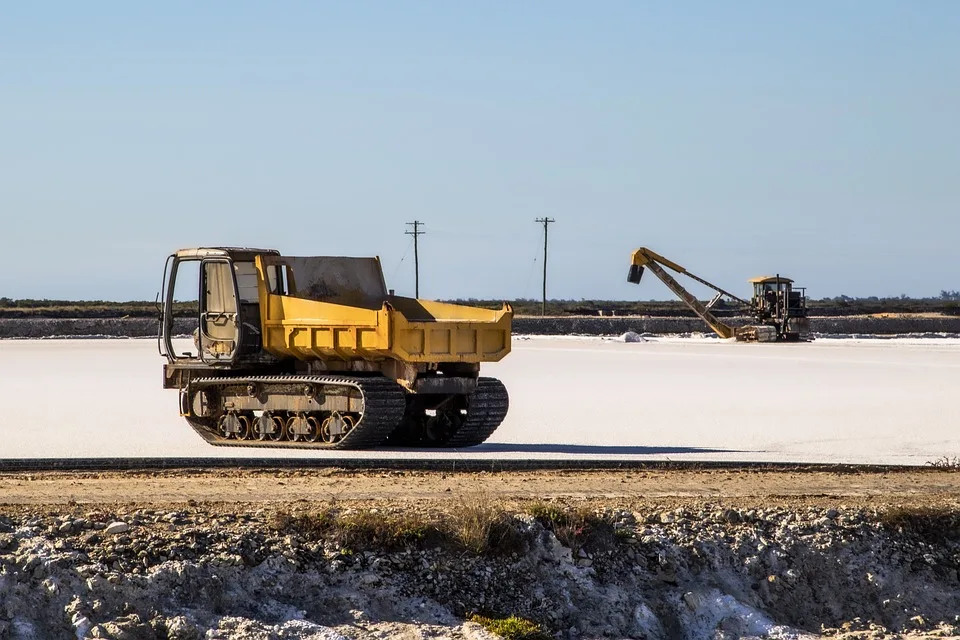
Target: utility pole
[
  {"x": 416, "y": 233},
  {"x": 546, "y": 223}
]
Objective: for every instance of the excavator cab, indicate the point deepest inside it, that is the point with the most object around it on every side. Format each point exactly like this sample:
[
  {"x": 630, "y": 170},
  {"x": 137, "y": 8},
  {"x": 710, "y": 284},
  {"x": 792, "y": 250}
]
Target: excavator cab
[{"x": 776, "y": 302}]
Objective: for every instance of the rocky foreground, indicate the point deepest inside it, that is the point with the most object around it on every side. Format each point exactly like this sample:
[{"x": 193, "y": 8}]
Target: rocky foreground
[{"x": 701, "y": 570}]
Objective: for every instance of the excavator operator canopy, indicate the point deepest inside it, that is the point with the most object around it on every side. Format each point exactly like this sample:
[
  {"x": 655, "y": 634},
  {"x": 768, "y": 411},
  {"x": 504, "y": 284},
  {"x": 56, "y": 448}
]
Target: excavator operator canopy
[
  {"x": 767, "y": 288},
  {"x": 769, "y": 280},
  {"x": 764, "y": 284}
]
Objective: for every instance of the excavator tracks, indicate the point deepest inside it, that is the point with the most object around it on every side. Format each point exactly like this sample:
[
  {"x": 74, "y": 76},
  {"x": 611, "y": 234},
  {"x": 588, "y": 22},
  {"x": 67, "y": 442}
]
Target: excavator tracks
[
  {"x": 383, "y": 407},
  {"x": 486, "y": 410},
  {"x": 383, "y": 401},
  {"x": 467, "y": 422}
]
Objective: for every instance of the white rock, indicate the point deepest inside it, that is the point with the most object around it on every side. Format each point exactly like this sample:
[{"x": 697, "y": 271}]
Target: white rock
[
  {"x": 97, "y": 583},
  {"x": 51, "y": 585},
  {"x": 81, "y": 625},
  {"x": 647, "y": 622},
  {"x": 117, "y": 527}
]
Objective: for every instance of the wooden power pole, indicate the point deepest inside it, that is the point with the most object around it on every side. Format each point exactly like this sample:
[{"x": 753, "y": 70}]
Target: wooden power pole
[
  {"x": 416, "y": 233},
  {"x": 546, "y": 225}
]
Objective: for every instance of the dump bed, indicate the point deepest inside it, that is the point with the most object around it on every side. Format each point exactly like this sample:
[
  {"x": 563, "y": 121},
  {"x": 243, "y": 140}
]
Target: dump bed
[{"x": 339, "y": 308}]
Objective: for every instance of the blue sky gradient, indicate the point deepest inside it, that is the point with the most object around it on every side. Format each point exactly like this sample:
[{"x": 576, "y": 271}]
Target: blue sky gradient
[{"x": 818, "y": 139}]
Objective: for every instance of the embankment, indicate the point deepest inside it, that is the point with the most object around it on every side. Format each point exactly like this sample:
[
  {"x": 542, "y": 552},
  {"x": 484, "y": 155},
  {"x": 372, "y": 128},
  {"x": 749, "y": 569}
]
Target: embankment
[{"x": 687, "y": 573}]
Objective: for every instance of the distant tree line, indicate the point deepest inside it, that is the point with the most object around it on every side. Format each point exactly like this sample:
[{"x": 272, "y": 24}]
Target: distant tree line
[
  {"x": 948, "y": 302},
  {"x": 945, "y": 296},
  {"x": 842, "y": 305},
  {"x": 36, "y": 308}
]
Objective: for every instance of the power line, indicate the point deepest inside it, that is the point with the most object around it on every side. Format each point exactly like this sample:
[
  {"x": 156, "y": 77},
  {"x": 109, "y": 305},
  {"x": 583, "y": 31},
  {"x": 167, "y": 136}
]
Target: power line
[
  {"x": 533, "y": 269},
  {"x": 416, "y": 233},
  {"x": 546, "y": 223},
  {"x": 393, "y": 276}
]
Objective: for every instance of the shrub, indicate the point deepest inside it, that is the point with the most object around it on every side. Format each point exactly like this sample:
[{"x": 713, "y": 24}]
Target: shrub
[
  {"x": 575, "y": 528},
  {"x": 511, "y": 628},
  {"x": 480, "y": 526},
  {"x": 362, "y": 530}
]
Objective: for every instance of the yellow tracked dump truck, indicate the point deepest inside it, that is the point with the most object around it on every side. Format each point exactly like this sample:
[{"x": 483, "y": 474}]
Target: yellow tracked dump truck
[{"x": 314, "y": 352}]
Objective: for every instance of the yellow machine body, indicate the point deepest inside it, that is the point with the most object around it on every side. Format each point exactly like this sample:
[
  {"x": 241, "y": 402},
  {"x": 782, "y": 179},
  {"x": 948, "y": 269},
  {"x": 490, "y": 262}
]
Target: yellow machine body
[
  {"x": 403, "y": 329},
  {"x": 315, "y": 352}
]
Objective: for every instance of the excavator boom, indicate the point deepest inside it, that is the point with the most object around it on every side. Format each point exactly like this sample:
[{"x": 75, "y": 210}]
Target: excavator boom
[{"x": 645, "y": 258}]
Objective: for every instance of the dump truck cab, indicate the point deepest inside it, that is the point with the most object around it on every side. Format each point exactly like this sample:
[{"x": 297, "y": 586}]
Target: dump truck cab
[
  {"x": 217, "y": 288},
  {"x": 228, "y": 292}
]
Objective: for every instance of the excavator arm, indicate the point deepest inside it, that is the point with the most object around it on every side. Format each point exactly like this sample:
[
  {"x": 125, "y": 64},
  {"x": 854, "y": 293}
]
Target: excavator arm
[{"x": 645, "y": 258}]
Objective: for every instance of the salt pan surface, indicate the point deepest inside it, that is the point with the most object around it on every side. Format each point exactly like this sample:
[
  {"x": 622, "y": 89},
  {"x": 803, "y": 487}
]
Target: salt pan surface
[{"x": 833, "y": 400}]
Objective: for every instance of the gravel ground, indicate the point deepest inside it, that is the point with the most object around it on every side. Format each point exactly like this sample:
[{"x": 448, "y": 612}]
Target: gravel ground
[{"x": 742, "y": 563}]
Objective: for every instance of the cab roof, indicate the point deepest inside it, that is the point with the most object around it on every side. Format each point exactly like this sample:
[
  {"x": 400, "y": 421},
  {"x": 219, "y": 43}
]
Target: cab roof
[
  {"x": 769, "y": 280},
  {"x": 224, "y": 252}
]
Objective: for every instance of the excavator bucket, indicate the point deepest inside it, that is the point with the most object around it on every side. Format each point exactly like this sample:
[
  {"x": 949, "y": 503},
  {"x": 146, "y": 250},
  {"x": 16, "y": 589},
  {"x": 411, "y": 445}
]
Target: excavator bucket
[{"x": 636, "y": 272}]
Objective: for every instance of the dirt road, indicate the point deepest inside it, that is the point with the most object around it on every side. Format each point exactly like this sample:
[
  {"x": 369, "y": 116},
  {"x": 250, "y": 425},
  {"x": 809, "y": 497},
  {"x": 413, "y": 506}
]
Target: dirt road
[{"x": 614, "y": 488}]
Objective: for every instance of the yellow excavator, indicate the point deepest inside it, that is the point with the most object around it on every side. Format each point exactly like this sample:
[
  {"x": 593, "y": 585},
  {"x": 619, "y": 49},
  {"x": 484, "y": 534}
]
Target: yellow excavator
[{"x": 778, "y": 309}]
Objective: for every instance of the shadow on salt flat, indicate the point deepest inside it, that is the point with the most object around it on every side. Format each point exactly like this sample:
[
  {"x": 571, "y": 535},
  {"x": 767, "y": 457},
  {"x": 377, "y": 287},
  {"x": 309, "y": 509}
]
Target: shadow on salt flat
[{"x": 589, "y": 449}]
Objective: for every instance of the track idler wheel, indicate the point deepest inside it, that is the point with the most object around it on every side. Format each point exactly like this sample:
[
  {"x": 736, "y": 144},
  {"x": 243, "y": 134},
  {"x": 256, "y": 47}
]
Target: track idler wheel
[
  {"x": 268, "y": 427},
  {"x": 301, "y": 428},
  {"x": 335, "y": 427},
  {"x": 315, "y": 426},
  {"x": 246, "y": 427},
  {"x": 234, "y": 425}
]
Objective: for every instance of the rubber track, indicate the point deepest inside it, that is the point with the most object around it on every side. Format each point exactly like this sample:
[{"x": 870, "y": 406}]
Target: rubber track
[
  {"x": 487, "y": 409},
  {"x": 383, "y": 406}
]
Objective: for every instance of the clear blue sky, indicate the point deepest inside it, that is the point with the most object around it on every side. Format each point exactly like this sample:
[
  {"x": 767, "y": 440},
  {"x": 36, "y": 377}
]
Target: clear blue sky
[{"x": 819, "y": 139}]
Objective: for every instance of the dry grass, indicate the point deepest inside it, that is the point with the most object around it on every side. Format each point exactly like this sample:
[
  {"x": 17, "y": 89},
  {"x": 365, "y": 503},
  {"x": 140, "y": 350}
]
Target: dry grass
[
  {"x": 576, "y": 528},
  {"x": 482, "y": 526},
  {"x": 360, "y": 530},
  {"x": 312, "y": 525},
  {"x": 477, "y": 526},
  {"x": 946, "y": 463}
]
